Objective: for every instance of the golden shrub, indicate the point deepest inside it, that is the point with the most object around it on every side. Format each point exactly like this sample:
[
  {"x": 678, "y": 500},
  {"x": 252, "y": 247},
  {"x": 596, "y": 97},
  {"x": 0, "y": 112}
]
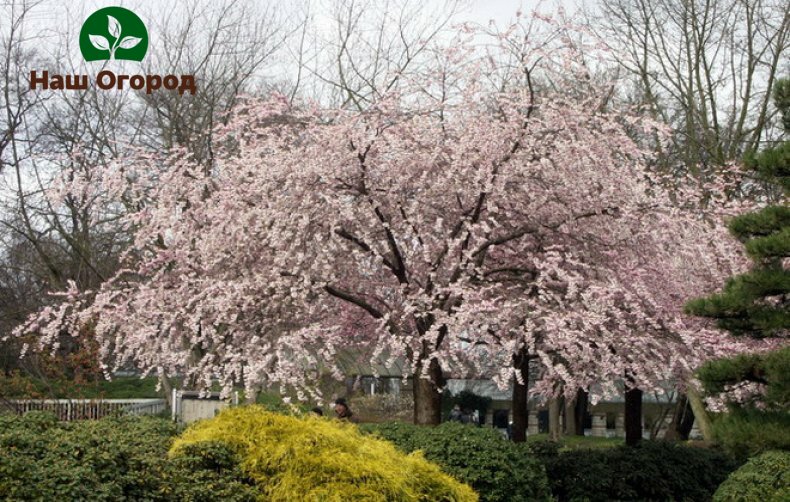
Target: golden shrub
[{"x": 318, "y": 459}]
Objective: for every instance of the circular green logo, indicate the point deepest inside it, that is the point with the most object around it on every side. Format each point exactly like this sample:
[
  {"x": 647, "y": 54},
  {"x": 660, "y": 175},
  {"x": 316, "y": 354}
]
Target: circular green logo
[{"x": 113, "y": 33}]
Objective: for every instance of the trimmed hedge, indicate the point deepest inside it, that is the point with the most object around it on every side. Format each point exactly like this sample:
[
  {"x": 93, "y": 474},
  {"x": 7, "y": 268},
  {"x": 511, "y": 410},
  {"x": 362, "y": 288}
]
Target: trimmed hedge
[
  {"x": 765, "y": 477},
  {"x": 314, "y": 458},
  {"x": 206, "y": 472},
  {"x": 652, "y": 470},
  {"x": 110, "y": 459},
  {"x": 497, "y": 469}
]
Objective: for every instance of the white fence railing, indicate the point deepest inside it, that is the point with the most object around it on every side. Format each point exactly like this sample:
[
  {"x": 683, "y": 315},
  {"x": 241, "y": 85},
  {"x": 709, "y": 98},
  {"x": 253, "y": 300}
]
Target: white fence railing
[{"x": 79, "y": 409}]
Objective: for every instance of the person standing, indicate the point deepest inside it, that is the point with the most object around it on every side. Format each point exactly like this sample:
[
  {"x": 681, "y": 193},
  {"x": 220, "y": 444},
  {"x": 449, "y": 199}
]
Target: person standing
[
  {"x": 343, "y": 411},
  {"x": 456, "y": 414}
]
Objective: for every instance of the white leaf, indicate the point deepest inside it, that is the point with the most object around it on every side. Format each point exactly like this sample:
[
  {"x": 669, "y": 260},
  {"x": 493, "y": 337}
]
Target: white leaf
[
  {"x": 99, "y": 42},
  {"x": 129, "y": 42},
  {"x": 113, "y": 26}
]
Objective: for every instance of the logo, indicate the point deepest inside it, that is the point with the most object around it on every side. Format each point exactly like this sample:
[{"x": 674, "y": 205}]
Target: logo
[{"x": 113, "y": 33}]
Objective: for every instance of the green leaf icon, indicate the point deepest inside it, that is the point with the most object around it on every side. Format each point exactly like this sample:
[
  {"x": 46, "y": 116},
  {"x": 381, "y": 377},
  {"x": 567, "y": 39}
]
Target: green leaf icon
[
  {"x": 100, "y": 42},
  {"x": 113, "y": 33},
  {"x": 129, "y": 42},
  {"x": 113, "y": 26}
]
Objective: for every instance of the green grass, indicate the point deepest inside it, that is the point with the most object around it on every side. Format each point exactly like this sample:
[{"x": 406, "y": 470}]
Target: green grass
[
  {"x": 268, "y": 399},
  {"x": 127, "y": 388},
  {"x": 117, "y": 388},
  {"x": 130, "y": 387},
  {"x": 580, "y": 442}
]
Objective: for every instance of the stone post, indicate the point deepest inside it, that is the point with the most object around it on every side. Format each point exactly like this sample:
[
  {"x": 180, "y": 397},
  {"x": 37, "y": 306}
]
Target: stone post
[
  {"x": 619, "y": 425},
  {"x": 599, "y": 425},
  {"x": 532, "y": 423}
]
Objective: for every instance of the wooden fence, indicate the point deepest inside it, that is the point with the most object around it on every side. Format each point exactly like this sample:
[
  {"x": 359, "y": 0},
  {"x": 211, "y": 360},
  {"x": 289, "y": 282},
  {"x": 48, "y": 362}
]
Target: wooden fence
[{"x": 79, "y": 409}]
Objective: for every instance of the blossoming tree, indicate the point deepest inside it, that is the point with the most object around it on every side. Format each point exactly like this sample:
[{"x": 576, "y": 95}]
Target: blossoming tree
[{"x": 472, "y": 227}]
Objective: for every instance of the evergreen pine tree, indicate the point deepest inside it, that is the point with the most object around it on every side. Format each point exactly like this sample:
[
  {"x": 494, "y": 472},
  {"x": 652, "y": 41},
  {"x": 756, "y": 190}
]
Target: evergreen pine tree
[{"x": 755, "y": 304}]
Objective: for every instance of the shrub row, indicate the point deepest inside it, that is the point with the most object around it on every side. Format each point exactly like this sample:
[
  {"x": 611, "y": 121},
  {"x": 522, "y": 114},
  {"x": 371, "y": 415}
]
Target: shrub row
[
  {"x": 657, "y": 471},
  {"x": 497, "y": 469},
  {"x": 244, "y": 454},
  {"x": 249, "y": 454},
  {"x": 112, "y": 459}
]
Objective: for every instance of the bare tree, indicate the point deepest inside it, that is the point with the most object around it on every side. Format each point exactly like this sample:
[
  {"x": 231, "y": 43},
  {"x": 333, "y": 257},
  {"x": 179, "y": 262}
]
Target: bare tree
[
  {"x": 52, "y": 140},
  {"x": 226, "y": 46},
  {"x": 353, "y": 52},
  {"x": 706, "y": 67}
]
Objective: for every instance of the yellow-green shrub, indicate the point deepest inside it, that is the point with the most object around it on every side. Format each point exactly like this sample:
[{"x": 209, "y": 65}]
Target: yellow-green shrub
[{"x": 314, "y": 458}]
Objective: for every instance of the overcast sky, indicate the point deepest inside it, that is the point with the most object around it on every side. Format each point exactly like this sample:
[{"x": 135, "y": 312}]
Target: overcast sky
[{"x": 53, "y": 14}]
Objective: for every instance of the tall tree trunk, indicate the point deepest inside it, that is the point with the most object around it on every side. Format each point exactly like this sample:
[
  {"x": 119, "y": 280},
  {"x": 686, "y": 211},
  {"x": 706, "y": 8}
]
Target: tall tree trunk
[
  {"x": 252, "y": 396},
  {"x": 700, "y": 413},
  {"x": 682, "y": 420},
  {"x": 570, "y": 416},
  {"x": 427, "y": 398},
  {"x": 555, "y": 405},
  {"x": 520, "y": 397},
  {"x": 580, "y": 410},
  {"x": 633, "y": 416},
  {"x": 167, "y": 388},
  {"x": 350, "y": 384}
]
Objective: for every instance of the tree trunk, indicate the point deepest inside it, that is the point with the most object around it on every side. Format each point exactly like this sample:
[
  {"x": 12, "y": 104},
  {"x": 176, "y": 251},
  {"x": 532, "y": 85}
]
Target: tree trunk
[
  {"x": 700, "y": 413},
  {"x": 555, "y": 405},
  {"x": 633, "y": 416},
  {"x": 427, "y": 398},
  {"x": 570, "y": 416},
  {"x": 682, "y": 420},
  {"x": 252, "y": 396},
  {"x": 520, "y": 397},
  {"x": 350, "y": 382},
  {"x": 580, "y": 411},
  {"x": 167, "y": 389}
]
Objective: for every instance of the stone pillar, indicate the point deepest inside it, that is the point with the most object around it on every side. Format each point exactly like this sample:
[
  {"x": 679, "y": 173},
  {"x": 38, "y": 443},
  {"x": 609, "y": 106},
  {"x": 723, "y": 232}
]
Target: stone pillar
[
  {"x": 532, "y": 423},
  {"x": 619, "y": 425},
  {"x": 599, "y": 425}
]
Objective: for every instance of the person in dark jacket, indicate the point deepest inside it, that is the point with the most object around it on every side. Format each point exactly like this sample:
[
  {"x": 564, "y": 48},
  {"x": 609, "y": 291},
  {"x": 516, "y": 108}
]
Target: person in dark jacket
[
  {"x": 343, "y": 411},
  {"x": 456, "y": 415}
]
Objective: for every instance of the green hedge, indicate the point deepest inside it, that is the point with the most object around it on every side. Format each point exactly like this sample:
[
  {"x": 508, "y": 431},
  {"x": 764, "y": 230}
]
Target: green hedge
[
  {"x": 765, "y": 478},
  {"x": 110, "y": 459},
  {"x": 497, "y": 469},
  {"x": 207, "y": 472},
  {"x": 657, "y": 471}
]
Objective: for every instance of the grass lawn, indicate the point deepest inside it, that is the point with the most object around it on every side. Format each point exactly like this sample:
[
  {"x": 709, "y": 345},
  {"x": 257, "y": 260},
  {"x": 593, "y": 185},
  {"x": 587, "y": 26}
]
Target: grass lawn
[
  {"x": 119, "y": 388},
  {"x": 125, "y": 388}
]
